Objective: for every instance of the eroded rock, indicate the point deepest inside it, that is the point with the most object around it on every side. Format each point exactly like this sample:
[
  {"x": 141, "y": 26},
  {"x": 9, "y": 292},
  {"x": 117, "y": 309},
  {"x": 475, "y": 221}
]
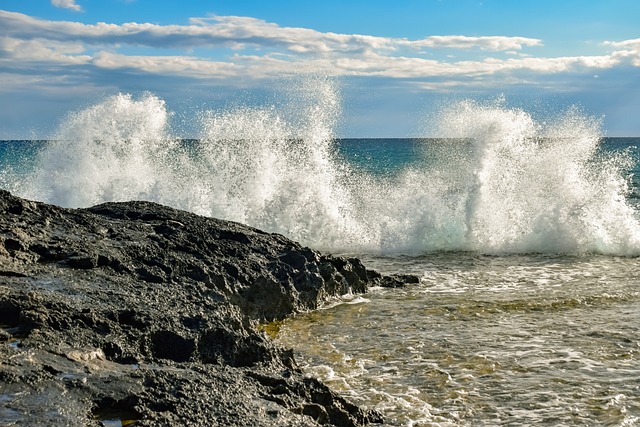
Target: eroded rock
[{"x": 136, "y": 311}]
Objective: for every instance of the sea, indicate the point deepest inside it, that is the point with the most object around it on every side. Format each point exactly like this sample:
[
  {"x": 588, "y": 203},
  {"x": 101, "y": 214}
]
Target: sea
[{"x": 523, "y": 228}]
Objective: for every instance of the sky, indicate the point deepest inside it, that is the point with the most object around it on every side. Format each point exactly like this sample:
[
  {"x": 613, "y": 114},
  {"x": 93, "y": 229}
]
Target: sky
[{"x": 394, "y": 62}]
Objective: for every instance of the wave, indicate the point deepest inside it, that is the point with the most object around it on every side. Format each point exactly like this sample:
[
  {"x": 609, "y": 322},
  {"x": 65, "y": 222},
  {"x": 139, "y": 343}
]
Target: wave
[{"x": 498, "y": 182}]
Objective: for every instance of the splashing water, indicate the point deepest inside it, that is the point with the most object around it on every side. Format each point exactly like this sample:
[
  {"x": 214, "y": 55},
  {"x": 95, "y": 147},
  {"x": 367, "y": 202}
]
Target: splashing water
[
  {"x": 499, "y": 182},
  {"x": 281, "y": 175},
  {"x": 534, "y": 187},
  {"x": 115, "y": 150}
]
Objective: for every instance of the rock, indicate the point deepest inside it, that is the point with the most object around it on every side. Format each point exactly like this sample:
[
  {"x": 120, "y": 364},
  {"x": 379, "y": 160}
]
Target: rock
[
  {"x": 138, "y": 312},
  {"x": 396, "y": 280}
]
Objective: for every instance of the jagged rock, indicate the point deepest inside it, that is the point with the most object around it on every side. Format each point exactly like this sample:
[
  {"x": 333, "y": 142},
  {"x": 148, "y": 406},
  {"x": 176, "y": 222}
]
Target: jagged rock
[{"x": 136, "y": 311}]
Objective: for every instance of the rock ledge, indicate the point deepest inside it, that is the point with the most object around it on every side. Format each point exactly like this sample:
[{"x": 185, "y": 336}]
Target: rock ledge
[{"x": 136, "y": 311}]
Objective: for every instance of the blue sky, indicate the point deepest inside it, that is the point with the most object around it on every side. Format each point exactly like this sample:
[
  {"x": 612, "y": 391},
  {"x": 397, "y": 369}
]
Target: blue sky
[{"x": 394, "y": 61}]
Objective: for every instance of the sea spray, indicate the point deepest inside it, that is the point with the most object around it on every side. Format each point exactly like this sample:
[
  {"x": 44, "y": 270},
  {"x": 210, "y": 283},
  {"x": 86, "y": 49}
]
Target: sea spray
[
  {"x": 540, "y": 187},
  {"x": 497, "y": 181},
  {"x": 276, "y": 169},
  {"x": 114, "y": 150},
  {"x": 273, "y": 168}
]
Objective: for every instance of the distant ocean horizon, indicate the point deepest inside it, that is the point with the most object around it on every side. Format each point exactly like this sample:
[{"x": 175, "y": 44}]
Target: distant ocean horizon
[{"x": 525, "y": 235}]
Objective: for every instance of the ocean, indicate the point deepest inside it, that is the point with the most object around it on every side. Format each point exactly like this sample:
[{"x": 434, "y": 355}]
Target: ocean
[{"x": 524, "y": 230}]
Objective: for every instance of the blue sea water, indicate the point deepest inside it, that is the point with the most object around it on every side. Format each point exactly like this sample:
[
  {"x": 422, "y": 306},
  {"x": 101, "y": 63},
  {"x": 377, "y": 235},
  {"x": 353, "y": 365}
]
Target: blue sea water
[{"x": 525, "y": 233}]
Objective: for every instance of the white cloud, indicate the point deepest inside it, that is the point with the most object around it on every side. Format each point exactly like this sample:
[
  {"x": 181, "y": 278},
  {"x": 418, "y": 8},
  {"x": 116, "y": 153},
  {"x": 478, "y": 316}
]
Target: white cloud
[
  {"x": 16, "y": 51},
  {"x": 280, "y": 50},
  {"x": 174, "y": 65},
  {"x": 490, "y": 43},
  {"x": 633, "y": 44},
  {"x": 629, "y": 49},
  {"x": 67, "y": 4},
  {"x": 237, "y": 32},
  {"x": 257, "y": 66}
]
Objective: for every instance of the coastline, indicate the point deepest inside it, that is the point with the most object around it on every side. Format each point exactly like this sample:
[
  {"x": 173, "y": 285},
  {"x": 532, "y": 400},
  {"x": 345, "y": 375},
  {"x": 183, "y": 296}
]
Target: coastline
[{"x": 139, "y": 312}]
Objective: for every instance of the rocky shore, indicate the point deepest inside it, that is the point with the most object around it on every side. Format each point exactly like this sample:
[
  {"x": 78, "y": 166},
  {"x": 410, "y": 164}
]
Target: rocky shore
[{"x": 139, "y": 314}]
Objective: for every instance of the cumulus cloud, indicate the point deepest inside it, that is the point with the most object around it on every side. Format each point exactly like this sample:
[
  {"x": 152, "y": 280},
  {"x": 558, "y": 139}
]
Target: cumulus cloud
[
  {"x": 491, "y": 43},
  {"x": 17, "y": 53},
  {"x": 627, "y": 49},
  {"x": 275, "y": 50},
  {"x": 238, "y": 32},
  {"x": 67, "y": 4},
  {"x": 625, "y": 44},
  {"x": 175, "y": 65}
]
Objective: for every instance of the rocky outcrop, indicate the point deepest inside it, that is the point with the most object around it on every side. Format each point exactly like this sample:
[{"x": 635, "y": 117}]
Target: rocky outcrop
[{"x": 136, "y": 311}]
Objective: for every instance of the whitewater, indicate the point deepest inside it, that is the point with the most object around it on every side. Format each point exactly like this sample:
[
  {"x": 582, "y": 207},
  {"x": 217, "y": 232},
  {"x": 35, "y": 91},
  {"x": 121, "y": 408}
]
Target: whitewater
[{"x": 524, "y": 230}]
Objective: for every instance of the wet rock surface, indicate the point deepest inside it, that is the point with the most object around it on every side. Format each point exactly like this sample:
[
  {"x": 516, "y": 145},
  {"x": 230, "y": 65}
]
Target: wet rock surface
[{"x": 136, "y": 311}]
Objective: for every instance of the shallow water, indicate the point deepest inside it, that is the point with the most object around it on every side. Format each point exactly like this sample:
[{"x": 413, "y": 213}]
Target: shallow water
[{"x": 485, "y": 340}]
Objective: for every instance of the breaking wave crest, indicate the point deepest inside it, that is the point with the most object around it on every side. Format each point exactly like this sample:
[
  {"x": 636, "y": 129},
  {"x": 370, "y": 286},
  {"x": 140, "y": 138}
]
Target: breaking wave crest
[{"x": 497, "y": 181}]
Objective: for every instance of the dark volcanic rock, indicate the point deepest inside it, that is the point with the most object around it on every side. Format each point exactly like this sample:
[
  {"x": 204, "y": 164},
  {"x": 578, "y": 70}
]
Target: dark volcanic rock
[{"x": 136, "y": 311}]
